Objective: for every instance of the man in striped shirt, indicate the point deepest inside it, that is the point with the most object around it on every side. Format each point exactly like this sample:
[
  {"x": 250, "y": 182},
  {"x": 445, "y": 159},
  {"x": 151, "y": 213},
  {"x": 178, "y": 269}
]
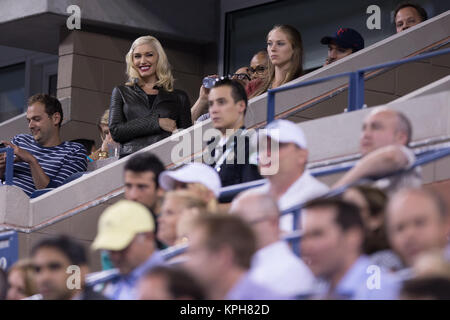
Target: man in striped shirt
[{"x": 42, "y": 159}]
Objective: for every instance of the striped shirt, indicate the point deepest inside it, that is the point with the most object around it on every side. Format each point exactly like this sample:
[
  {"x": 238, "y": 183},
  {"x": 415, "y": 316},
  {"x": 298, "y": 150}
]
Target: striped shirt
[{"x": 58, "y": 163}]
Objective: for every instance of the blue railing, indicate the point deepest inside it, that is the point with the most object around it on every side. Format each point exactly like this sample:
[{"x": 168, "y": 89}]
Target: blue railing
[
  {"x": 174, "y": 251},
  {"x": 355, "y": 86},
  {"x": 422, "y": 158},
  {"x": 425, "y": 158},
  {"x": 104, "y": 276},
  {"x": 9, "y": 164}
]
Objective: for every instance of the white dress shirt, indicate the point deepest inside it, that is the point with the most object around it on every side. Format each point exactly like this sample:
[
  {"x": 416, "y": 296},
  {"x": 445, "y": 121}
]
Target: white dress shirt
[
  {"x": 278, "y": 269},
  {"x": 409, "y": 179},
  {"x": 303, "y": 189}
]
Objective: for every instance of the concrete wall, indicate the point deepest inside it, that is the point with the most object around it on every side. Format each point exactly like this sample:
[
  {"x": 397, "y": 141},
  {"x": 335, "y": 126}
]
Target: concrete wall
[
  {"x": 337, "y": 136},
  {"x": 81, "y": 227},
  {"x": 90, "y": 65},
  {"x": 35, "y": 24},
  {"x": 437, "y": 86},
  {"x": 174, "y": 18}
]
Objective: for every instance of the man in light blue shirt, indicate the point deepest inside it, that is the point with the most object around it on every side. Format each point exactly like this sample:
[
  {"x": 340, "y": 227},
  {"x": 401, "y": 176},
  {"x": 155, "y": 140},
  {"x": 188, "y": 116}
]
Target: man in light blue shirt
[
  {"x": 126, "y": 231},
  {"x": 274, "y": 265},
  {"x": 219, "y": 256},
  {"x": 417, "y": 222},
  {"x": 332, "y": 247}
]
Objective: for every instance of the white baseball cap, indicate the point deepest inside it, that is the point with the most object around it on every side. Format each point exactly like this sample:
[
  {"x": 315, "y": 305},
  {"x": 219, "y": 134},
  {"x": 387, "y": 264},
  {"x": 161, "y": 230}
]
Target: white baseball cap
[
  {"x": 192, "y": 173},
  {"x": 285, "y": 131}
]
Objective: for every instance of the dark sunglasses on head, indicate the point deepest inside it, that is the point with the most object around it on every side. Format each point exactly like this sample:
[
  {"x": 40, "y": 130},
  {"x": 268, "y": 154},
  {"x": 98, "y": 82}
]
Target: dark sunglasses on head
[
  {"x": 209, "y": 82},
  {"x": 52, "y": 266}
]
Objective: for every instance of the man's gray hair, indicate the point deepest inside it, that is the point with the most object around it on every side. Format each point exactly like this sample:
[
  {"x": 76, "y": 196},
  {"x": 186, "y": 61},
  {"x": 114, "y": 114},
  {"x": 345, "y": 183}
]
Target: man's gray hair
[{"x": 404, "y": 125}]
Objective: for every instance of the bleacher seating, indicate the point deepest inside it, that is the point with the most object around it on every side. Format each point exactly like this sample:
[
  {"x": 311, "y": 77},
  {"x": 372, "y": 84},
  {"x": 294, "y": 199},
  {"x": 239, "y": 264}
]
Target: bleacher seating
[{"x": 74, "y": 208}]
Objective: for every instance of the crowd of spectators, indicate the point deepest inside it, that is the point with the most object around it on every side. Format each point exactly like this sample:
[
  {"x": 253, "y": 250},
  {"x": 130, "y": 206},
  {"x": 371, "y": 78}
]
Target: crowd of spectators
[{"x": 377, "y": 233}]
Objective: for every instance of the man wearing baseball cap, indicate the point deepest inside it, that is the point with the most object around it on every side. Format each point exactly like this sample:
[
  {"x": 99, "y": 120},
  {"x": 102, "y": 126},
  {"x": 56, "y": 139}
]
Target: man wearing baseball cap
[
  {"x": 343, "y": 43},
  {"x": 282, "y": 160},
  {"x": 126, "y": 231},
  {"x": 189, "y": 174}
]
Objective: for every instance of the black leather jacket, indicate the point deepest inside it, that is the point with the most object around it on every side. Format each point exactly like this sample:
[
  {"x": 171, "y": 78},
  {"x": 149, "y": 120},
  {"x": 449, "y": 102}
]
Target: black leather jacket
[{"x": 133, "y": 122}]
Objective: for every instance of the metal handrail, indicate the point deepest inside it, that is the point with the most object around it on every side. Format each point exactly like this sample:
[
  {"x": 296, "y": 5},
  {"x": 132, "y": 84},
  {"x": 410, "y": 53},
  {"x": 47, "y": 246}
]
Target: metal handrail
[
  {"x": 428, "y": 157},
  {"x": 421, "y": 159},
  {"x": 271, "y": 92},
  {"x": 174, "y": 251},
  {"x": 356, "y": 82},
  {"x": 425, "y": 159},
  {"x": 9, "y": 170},
  {"x": 103, "y": 276}
]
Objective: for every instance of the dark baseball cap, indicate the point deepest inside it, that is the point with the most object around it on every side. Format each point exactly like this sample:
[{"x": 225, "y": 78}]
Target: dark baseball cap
[{"x": 346, "y": 38}]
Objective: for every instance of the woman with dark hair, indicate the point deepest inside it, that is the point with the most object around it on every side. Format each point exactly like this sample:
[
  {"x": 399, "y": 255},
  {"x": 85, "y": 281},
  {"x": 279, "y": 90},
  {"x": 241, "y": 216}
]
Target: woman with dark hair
[
  {"x": 285, "y": 51},
  {"x": 147, "y": 108},
  {"x": 372, "y": 204}
]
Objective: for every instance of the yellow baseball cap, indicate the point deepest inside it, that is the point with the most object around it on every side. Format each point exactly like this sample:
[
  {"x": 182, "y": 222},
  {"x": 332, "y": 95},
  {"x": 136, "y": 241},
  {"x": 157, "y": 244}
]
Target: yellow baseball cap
[{"x": 120, "y": 223}]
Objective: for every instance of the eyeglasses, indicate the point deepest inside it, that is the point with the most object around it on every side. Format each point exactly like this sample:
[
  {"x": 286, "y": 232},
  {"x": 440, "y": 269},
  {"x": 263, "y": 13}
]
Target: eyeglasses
[
  {"x": 52, "y": 266},
  {"x": 258, "y": 70}
]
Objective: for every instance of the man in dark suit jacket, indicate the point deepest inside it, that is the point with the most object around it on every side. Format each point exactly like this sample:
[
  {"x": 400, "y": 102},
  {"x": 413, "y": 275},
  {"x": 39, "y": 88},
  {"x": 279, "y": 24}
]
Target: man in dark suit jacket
[{"x": 230, "y": 153}]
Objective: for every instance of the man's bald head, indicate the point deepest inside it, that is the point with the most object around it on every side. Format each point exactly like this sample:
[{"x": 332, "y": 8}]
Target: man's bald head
[
  {"x": 417, "y": 221},
  {"x": 383, "y": 127},
  {"x": 254, "y": 206},
  {"x": 261, "y": 212}
]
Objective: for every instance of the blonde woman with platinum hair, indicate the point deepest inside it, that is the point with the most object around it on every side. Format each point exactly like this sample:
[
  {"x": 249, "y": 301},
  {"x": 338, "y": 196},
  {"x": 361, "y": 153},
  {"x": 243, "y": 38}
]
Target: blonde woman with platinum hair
[
  {"x": 147, "y": 108},
  {"x": 163, "y": 70}
]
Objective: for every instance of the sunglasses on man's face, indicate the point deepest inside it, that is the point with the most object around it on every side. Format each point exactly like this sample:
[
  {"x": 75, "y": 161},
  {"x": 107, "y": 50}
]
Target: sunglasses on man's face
[
  {"x": 241, "y": 76},
  {"x": 52, "y": 266},
  {"x": 258, "y": 69}
]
